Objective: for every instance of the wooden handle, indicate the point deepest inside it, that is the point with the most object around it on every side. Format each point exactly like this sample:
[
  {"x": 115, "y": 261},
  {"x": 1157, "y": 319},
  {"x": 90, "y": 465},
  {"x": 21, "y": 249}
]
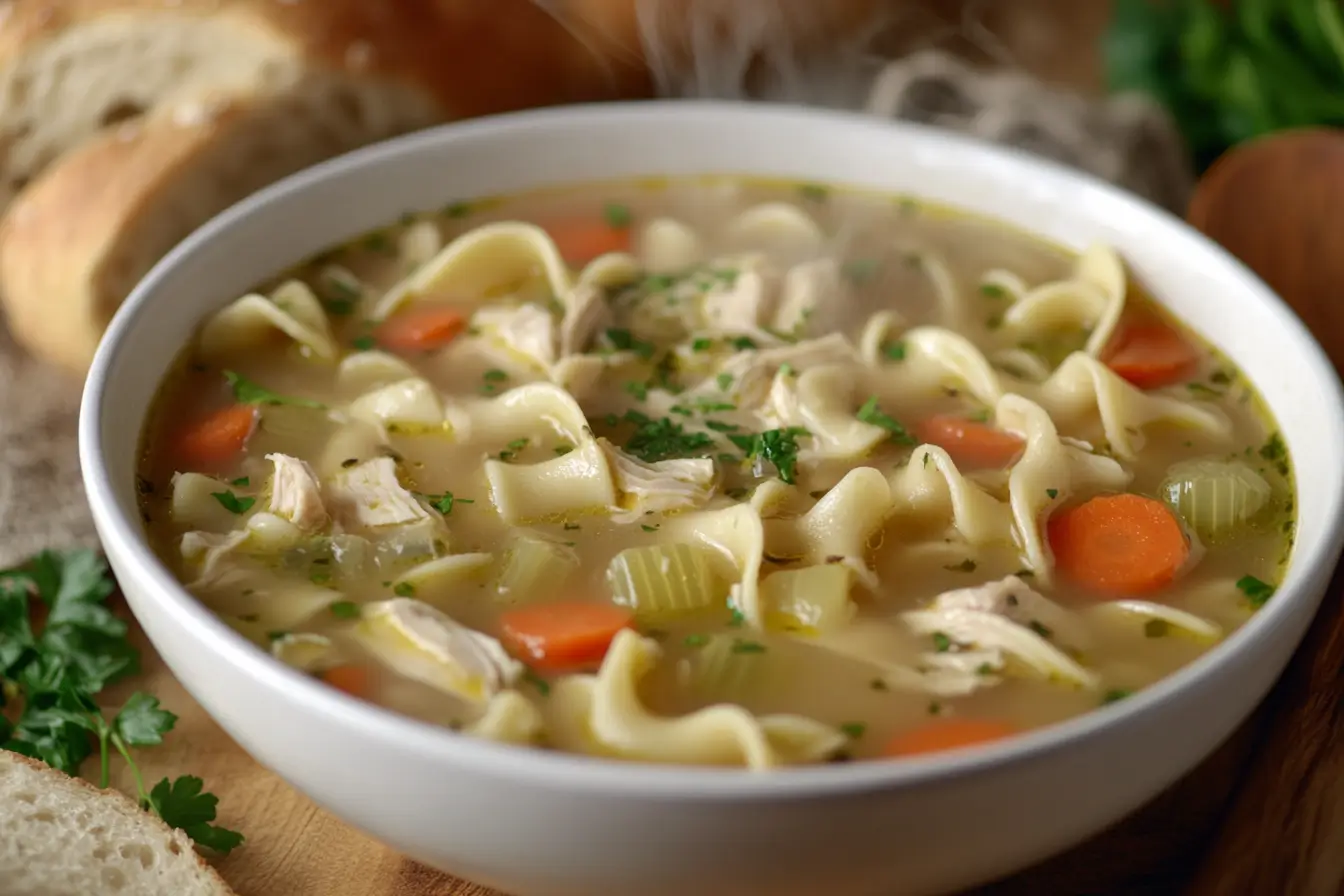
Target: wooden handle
[{"x": 1278, "y": 205}]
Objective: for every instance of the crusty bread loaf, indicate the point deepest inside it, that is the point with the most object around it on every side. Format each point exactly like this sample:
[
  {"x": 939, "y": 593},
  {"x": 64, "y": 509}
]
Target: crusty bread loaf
[
  {"x": 137, "y": 120},
  {"x": 61, "y": 836}
]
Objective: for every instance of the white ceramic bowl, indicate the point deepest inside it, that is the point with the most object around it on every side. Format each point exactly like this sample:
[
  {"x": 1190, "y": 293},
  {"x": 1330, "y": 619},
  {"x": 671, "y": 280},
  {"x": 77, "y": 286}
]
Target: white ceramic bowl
[{"x": 543, "y": 824}]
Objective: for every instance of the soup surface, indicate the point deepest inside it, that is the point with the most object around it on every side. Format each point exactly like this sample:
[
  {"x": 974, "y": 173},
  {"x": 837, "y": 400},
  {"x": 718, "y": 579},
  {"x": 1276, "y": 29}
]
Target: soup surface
[{"x": 717, "y": 471}]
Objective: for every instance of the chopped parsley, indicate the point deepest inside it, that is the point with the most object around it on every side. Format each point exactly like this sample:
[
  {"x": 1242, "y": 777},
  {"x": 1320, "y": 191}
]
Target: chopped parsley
[
  {"x": 1115, "y": 695},
  {"x": 364, "y": 343},
  {"x": 241, "y": 481},
  {"x": 724, "y": 381},
  {"x": 696, "y": 640},
  {"x": 456, "y": 210},
  {"x": 872, "y": 414},
  {"x": 710, "y": 406},
  {"x": 860, "y": 270},
  {"x": 617, "y": 215},
  {"x": 721, "y": 426},
  {"x": 941, "y": 642},
  {"x": 512, "y": 448},
  {"x": 542, "y": 685},
  {"x": 647, "y": 528},
  {"x": 660, "y": 439},
  {"x": 1040, "y": 628},
  {"x": 736, "y": 620},
  {"x": 494, "y": 375},
  {"x": 776, "y": 446},
  {"x": 640, "y": 391},
  {"x": 702, "y": 345},
  {"x": 741, "y": 645},
  {"x": 1220, "y": 378},
  {"x": 1201, "y": 389},
  {"x": 814, "y": 192},
  {"x": 1052, "y": 493},
  {"x": 853, "y": 730},
  {"x": 403, "y": 589},
  {"x": 742, "y": 343},
  {"x": 625, "y": 341},
  {"x": 248, "y": 392},
  {"x": 1257, "y": 592},
  {"x": 992, "y": 291},
  {"x": 344, "y": 609},
  {"x": 444, "y": 503},
  {"x": 233, "y": 503},
  {"x": 786, "y": 369},
  {"x": 1156, "y": 628},
  {"x": 894, "y": 351}
]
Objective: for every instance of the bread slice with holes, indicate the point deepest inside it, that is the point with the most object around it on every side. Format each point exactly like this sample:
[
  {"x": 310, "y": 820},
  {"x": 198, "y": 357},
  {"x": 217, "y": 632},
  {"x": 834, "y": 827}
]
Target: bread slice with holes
[
  {"x": 125, "y": 124},
  {"x": 61, "y": 836}
]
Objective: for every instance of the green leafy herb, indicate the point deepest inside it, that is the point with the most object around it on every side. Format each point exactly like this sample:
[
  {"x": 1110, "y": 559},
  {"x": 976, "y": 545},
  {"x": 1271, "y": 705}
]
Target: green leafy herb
[
  {"x": 702, "y": 345},
  {"x": 724, "y": 381},
  {"x": 495, "y": 375},
  {"x": 1052, "y": 493},
  {"x": 720, "y": 426},
  {"x": 625, "y": 341},
  {"x": 248, "y": 392},
  {"x": 696, "y": 640},
  {"x": 444, "y": 503},
  {"x": 814, "y": 192},
  {"x": 992, "y": 291},
  {"x": 872, "y": 414},
  {"x": 184, "y": 804},
  {"x": 233, "y": 503},
  {"x": 617, "y": 215},
  {"x": 647, "y": 528},
  {"x": 364, "y": 343},
  {"x": 742, "y": 343},
  {"x": 859, "y": 271},
  {"x": 710, "y": 406},
  {"x": 1115, "y": 695},
  {"x": 52, "y": 678},
  {"x": 542, "y": 685},
  {"x": 403, "y": 589},
  {"x": 894, "y": 351},
  {"x": 512, "y": 448},
  {"x": 741, "y": 645},
  {"x": 1257, "y": 592},
  {"x": 563, "y": 449},
  {"x": 344, "y": 609},
  {"x": 639, "y": 390},
  {"x": 1273, "y": 449},
  {"x": 853, "y": 730},
  {"x": 1230, "y": 72},
  {"x": 1201, "y": 389},
  {"x": 1156, "y": 628},
  {"x": 1040, "y": 628},
  {"x": 736, "y": 620},
  {"x": 660, "y": 439},
  {"x": 456, "y": 210},
  {"x": 776, "y": 446},
  {"x": 941, "y": 642}
]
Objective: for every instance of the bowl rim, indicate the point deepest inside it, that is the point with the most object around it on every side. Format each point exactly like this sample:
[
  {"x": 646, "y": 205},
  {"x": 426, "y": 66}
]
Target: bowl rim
[{"x": 122, "y": 536}]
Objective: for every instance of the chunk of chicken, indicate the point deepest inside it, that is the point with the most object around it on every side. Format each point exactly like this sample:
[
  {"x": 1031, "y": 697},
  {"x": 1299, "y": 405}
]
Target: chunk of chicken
[
  {"x": 420, "y": 642},
  {"x": 660, "y": 486},
  {"x": 586, "y": 312},
  {"x": 369, "y": 495},
  {"x": 1015, "y": 600},
  {"x": 809, "y": 301},
  {"x": 753, "y": 371},
  {"x": 296, "y": 494},
  {"x": 741, "y": 307},
  {"x": 528, "y": 330}
]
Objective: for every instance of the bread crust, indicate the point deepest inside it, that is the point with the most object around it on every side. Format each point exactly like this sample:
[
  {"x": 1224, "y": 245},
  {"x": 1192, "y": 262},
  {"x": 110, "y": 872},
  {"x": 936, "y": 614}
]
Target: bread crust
[{"x": 114, "y": 801}]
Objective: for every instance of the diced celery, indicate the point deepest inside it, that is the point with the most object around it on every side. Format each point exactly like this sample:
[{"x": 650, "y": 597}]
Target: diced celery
[
  {"x": 534, "y": 565},
  {"x": 813, "y": 599},
  {"x": 666, "y": 581},
  {"x": 1215, "y": 497}
]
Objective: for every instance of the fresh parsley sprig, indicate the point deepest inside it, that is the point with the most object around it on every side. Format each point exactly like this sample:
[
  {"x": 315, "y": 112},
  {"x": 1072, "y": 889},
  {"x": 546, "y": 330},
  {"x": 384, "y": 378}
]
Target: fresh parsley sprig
[{"x": 55, "y": 675}]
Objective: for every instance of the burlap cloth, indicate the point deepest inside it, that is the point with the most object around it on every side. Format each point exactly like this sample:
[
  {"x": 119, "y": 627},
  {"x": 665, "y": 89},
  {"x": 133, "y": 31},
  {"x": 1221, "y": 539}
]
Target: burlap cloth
[{"x": 1125, "y": 140}]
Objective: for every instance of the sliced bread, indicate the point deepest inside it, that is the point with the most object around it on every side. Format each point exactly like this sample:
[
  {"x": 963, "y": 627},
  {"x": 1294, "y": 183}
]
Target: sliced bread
[{"x": 61, "y": 836}]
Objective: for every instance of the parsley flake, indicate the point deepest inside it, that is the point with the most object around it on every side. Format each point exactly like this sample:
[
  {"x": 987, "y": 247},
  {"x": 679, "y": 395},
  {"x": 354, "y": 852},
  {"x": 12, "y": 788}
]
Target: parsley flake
[
  {"x": 344, "y": 609},
  {"x": 870, "y": 413},
  {"x": 617, "y": 215},
  {"x": 248, "y": 392},
  {"x": 1257, "y": 591},
  {"x": 776, "y": 446},
  {"x": 853, "y": 730},
  {"x": 233, "y": 503}
]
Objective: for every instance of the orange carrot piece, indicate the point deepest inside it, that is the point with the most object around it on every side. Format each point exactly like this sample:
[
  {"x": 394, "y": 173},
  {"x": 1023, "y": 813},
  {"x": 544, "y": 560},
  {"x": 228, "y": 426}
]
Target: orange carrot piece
[
  {"x": 950, "y": 734},
  {"x": 217, "y": 439},
  {"x": 1151, "y": 355},
  {"x": 1119, "y": 544},
  {"x": 971, "y": 445},
  {"x": 563, "y": 635},
  {"x": 580, "y": 242},
  {"x": 353, "y": 680},
  {"x": 420, "y": 329}
]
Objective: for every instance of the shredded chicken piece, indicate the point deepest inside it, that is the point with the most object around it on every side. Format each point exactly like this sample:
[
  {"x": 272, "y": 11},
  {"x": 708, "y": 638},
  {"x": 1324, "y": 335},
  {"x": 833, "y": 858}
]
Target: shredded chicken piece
[
  {"x": 296, "y": 494},
  {"x": 586, "y": 313},
  {"x": 369, "y": 495},
  {"x": 810, "y": 300},
  {"x": 658, "y": 487},
  {"x": 741, "y": 307},
  {"x": 753, "y": 371},
  {"x": 1015, "y": 600},
  {"x": 528, "y": 330}
]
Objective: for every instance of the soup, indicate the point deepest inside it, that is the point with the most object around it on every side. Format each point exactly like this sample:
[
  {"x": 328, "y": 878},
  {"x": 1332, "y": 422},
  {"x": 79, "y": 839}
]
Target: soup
[{"x": 717, "y": 471}]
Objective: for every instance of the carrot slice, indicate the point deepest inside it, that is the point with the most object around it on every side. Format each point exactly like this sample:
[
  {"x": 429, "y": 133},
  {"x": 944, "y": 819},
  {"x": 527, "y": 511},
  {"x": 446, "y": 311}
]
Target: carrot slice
[
  {"x": 1120, "y": 544},
  {"x": 1151, "y": 355},
  {"x": 950, "y": 734},
  {"x": 580, "y": 242},
  {"x": 217, "y": 439},
  {"x": 420, "y": 329},
  {"x": 560, "y": 635},
  {"x": 353, "y": 680},
  {"x": 971, "y": 445}
]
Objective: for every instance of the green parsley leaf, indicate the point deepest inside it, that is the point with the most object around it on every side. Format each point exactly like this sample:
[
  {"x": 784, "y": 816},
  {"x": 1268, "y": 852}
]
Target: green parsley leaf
[
  {"x": 1052, "y": 493},
  {"x": 894, "y": 351},
  {"x": 1257, "y": 591},
  {"x": 720, "y": 426},
  {"x": 242, "y": 481},
  {"x": 233, "y": 503},
  {"x": 1156, "y": 628},
  {"x": 741, "y": 645},
  {"x": 248, "y": 392},
  {"x": 696, "y": 640},
  {"x": 777, "y": 446},
  {"x": 617, "y": 215},
  {"x": 141, "y": 722},
  {"x": 724, "y": 381},
  {"x": 639, "y": 390},
  {"x": 853, "y": 730},
  {"x": 702, "y": 345},
  {"x": 992, "y": 291},
  {"x": 563, "y": 449},
  {"x": 1040, "y": 628},
  {"x": 1274, "y": 449},
  {"x": 456, "y": 210},
  {"x": 403, "y": 589},
  {"x": 647, "y": 528},
  {"x": 742, "y": 343},
  {"x": 624, "y": 341},
  {"x": 444, "y": 503},
  {"x": 656, "y": 440},
  {"x": 870, "y": 413},
  {"x": 1115, "y": 695},
  {"x": 814, "y": 192},
  {"x": 184, "y": 804},
  {"x": 364, "y": 343},
  {"x": 941, "y": 642},
  {"x": 542, "y": 685},
  {"x": 345, "y": 609},
  {"x": 494, "y": 375}
]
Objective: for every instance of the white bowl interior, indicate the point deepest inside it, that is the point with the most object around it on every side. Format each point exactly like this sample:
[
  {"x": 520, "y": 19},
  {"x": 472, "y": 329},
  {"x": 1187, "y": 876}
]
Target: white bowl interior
[{"x": 340, "y": 199}]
